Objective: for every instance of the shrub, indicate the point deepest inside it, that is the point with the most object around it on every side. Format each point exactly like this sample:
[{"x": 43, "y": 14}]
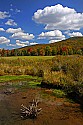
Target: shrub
[
  {"x": 40, "y": 73},
  {"x": 2, "y": 72},
  {"x": 8, "y": 70},
  {"x": 55, "y": 68},
  {"x": 17, "y": 71},
  {"x": 64, "y": 68},
  {"x": 76, "y": 69},
  {"x": 29, "y": 72}
]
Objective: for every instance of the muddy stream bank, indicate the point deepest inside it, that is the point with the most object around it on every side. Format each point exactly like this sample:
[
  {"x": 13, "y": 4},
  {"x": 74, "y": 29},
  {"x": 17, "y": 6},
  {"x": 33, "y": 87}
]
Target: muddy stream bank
[{"x": 55, "y": 111}]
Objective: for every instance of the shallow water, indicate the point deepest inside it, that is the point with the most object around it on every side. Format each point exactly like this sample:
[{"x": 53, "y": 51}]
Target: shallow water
[{"x": 54, "y": 110}]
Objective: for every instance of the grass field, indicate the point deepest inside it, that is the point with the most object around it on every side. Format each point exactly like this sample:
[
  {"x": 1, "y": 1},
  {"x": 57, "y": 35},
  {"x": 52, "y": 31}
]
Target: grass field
[
  {"x": 52, "y": 68},
  {"x": 28, "y": 57}
]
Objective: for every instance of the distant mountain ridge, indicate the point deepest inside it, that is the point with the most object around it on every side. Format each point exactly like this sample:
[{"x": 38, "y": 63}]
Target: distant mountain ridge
[{"x": 76, "y": 42}]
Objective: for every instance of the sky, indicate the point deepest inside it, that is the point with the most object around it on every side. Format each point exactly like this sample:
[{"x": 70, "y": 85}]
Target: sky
[{"x": 29, "y": 22}]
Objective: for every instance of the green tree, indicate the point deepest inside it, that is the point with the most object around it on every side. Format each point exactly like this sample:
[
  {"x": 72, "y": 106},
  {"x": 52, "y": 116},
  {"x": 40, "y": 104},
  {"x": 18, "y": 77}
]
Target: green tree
[
  {"x": 54, "y": 51},
  {"x": 48, "y": 51},
  {"x": 79, "y": 51}
]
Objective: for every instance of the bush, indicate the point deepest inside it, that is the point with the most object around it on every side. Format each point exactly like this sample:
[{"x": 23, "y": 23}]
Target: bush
[
  {"x": 40, "y": 73},
  {"x": 64, "y": 68},
  {"x": 17, "y": 71},
  {"x": 2, "y": 72},
  {"x": 76, "y": 70},
  {"x": 29, "y": 72},
  {"x": 55, "y": 68},
  {"x": 8, "y": 70}
]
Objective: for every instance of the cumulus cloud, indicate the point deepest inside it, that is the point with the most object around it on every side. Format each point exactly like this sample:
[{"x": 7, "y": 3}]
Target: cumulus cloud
[
  {"x": 19, "y": 34},
  {"x": 23, "y": 36},
  {"x": 33, "y": 43},
  {"x": 4, "y": 40},
  {"x": 11, "y": 22},
  {"x": 12, "y": 30},
  {"x": 4, "y": 15},
  {"x": 1, "y": 29},
  {"x": 59, "y": 17},
  {"x": 74, "y": 34},
  {"x": 56, "y": 34},
  {"x": 21, "y": 43},
  {"x": 53, "y": 41}
]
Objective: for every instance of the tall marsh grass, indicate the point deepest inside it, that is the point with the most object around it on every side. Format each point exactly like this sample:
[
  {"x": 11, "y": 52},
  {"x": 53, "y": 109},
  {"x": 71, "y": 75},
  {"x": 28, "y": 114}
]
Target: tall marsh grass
[{"x": 63, "y": 71}]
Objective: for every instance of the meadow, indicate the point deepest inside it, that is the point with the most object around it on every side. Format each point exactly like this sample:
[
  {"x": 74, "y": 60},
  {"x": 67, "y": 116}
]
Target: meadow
[{"x": 59, "y": 72}]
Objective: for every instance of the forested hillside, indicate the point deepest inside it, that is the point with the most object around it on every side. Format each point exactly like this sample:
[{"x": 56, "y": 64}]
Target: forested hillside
[{"x": 69, "y": 46}]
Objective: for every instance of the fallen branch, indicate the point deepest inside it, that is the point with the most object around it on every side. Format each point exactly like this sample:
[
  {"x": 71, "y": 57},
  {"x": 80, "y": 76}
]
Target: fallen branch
[{"x": 32, "y": 111}]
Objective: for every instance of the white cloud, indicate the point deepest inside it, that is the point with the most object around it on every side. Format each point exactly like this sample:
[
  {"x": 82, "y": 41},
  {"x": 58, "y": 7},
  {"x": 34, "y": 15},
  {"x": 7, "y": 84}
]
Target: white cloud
[
  {"x": 56, "y": 34},
  {"x": 4, "y": 15},
  {"x": 59, "y": 17},
  {"x": 4, "y": 40},
  {"x": 26, "y": 42},
  {"x": 23, "y": 36},
  {"x": 75, "y": 34},
  {"x": 11, "y": 45},
  {"x": 15, "y": 11},
  {"x": 19, "y": 34},
  {"x": 11, "y": 9},
  {"x": 18, "y": 11},
  {"x": 21, "y": 43},
  {"x": 11, "y": 5},
  {"x": 1, "y": 29},
  {"x": 12, "y": 30},
  {"x": 11, "y": 22},
  {"x": 33, "y": 43},
  {"x": 53, "y": 41}
]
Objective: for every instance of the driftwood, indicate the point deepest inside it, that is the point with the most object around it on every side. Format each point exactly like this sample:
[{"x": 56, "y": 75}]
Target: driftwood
[
  {"x": 30, "y": 112},
  {"x": 9, "y": 91}
]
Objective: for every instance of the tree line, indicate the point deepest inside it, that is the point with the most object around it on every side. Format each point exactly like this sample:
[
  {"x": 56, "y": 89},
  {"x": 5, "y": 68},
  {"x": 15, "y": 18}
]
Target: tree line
[{"x": 42, "y": 51}]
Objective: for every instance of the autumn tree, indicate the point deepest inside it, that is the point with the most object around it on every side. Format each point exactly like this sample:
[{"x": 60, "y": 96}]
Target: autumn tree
[{"x": 48, "y": 51}]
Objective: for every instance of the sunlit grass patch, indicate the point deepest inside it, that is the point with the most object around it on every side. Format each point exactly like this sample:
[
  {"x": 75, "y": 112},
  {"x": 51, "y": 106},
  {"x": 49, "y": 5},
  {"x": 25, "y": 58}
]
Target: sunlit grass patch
[
  {"x": 18, "y": 78},
  {"x": 27, "y": 57},
  {"x": 53, "y": 92},
  {"x": 58, "y": 93},
  {"x": 34, "y": 83}
]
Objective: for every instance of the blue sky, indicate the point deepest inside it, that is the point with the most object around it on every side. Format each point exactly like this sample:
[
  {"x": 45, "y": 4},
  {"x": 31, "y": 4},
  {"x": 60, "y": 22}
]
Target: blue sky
[{"x": 29, "y": 22}]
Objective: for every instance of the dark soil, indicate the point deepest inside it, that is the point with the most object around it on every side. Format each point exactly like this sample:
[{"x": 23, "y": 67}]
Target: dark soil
[{"x": 55, "y": 111}]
